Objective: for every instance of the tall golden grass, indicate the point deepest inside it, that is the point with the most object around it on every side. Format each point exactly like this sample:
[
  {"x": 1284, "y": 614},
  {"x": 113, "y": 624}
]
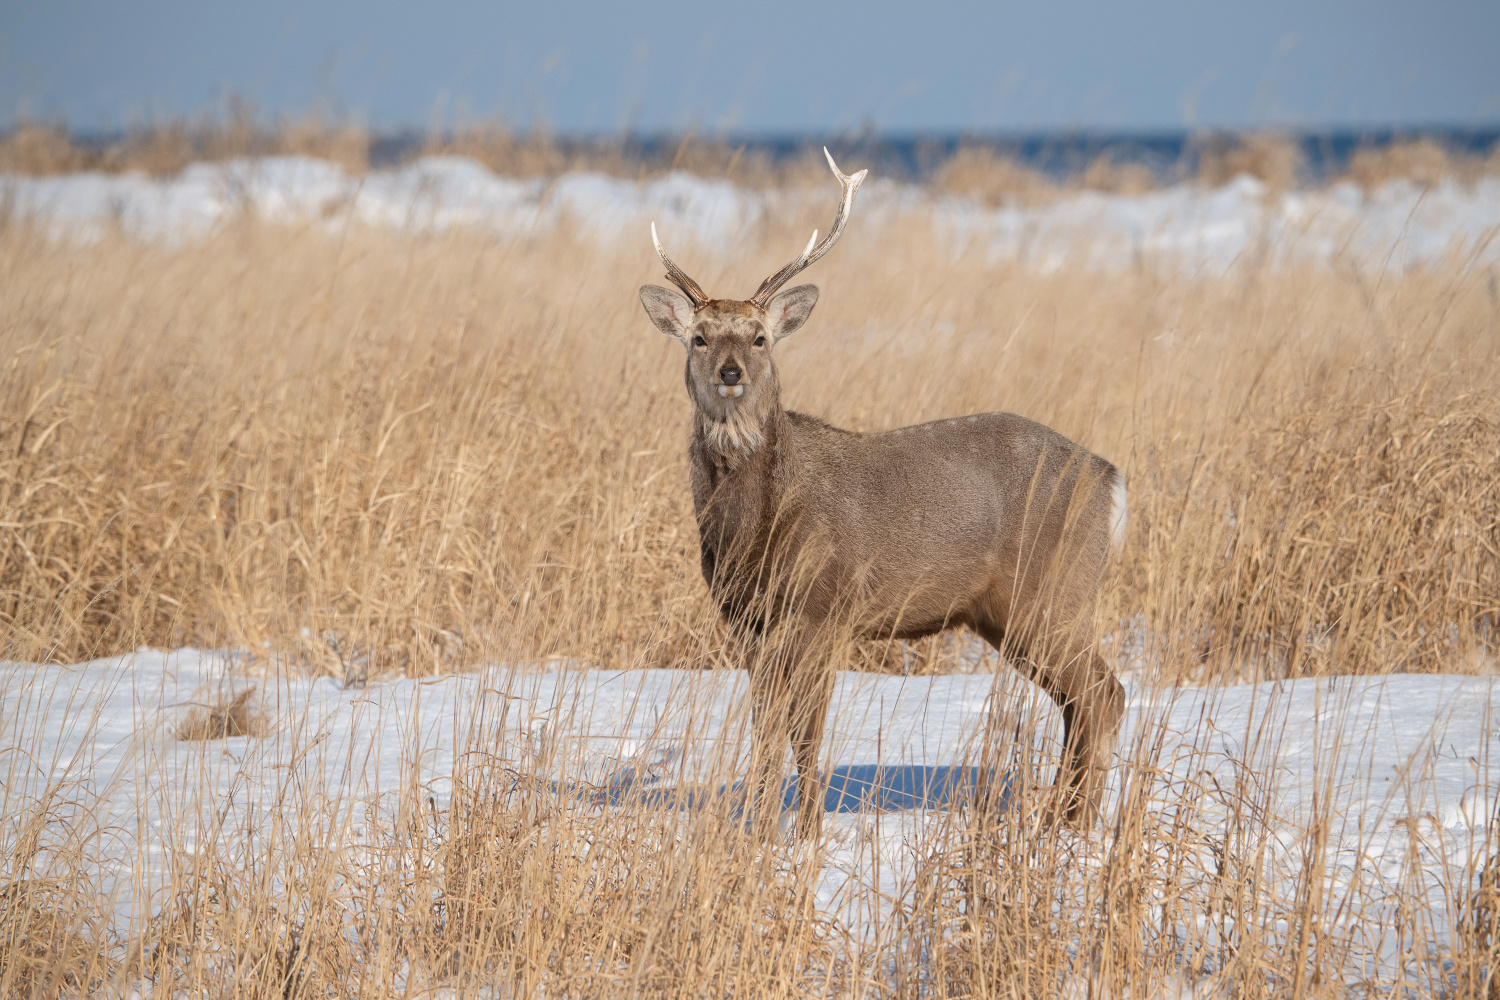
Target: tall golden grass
[
  {"x": 355, "y": 453},
  {"x": 368, "y": 452}
]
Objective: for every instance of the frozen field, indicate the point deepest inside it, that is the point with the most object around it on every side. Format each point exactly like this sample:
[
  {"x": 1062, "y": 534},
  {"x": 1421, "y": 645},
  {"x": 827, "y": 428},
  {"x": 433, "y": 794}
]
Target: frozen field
[
  {"x": 1397, "y": 225},
  {"x": 1363, "y": 806},
  {"x": 1399, "y": 773}
]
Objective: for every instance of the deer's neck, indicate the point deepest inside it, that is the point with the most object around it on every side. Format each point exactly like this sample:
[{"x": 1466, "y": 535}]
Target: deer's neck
[{"x": 727, "y": 443}]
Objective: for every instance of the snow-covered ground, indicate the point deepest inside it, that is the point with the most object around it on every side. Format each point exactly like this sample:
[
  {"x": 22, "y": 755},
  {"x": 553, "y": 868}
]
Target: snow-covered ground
[
  {"x": 1396, "y": 225},
  {"x": 1401, "y": 769}
]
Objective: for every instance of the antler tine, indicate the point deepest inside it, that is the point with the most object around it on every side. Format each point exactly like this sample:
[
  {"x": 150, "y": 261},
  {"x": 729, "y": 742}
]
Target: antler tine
[
  {"x": 812, "y": 253},
  {"x": 677, "y": 275}
]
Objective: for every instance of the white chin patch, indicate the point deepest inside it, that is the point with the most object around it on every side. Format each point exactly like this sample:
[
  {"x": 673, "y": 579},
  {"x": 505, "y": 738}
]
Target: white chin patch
[{"x": 732, "y": 390}]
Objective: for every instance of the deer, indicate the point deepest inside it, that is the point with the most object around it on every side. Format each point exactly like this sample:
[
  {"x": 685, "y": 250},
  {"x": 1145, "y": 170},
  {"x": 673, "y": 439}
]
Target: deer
[{"x": 808, "y": 532}]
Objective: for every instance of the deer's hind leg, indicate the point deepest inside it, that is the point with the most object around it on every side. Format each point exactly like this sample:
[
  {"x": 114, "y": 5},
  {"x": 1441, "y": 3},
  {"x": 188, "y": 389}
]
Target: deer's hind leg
[{"x": 1092, "y": 702}]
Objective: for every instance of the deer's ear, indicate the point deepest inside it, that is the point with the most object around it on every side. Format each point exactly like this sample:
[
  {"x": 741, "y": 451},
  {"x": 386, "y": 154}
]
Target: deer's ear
[
  {"x": 788, "y": 311},
  {"x": 669, "y": 310}
]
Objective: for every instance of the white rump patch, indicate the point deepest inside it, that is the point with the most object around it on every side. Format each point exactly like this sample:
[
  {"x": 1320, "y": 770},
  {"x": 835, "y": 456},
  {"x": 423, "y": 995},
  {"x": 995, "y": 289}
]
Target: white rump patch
[{"x": 1118, "y": 512}]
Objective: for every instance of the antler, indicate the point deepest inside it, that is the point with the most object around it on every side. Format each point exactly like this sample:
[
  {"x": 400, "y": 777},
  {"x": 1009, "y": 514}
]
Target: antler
[
  {"x": 811, "y": 254},
  {"x": 677, "y": 275}
]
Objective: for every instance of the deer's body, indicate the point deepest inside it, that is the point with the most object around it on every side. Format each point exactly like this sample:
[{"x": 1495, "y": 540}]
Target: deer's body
[
  {"x": 921, "y": 525},
  {"x": 808, "y": 532}
]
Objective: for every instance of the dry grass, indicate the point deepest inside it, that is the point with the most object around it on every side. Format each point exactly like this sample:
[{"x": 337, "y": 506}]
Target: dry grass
[
  {"x": 539, "y": 154},
  {"x": 371, "y": 453},
  {"x": 238, "y": 716},
  {"x": 1274, "y": 159},
  {"x": 1421, "y": 161},
  {"x": 993, "y": 178},
  {"x": 1481, "y": 934},
  {"x": 35, "y": 148},
  {"x": 358, "y": 453},
  {"x": 165, "y": 149},
  {"x": 975, "y": 170},
  {"x": 53, "y": 939}
]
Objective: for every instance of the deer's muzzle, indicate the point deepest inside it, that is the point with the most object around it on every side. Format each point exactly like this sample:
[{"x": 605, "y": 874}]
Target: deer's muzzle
[{"x": 731, "y": 390}]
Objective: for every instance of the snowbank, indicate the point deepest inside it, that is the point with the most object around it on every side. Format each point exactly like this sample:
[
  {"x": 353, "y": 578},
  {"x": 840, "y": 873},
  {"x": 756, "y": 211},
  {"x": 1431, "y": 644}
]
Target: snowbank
[{"x": 1396, "y": 225}]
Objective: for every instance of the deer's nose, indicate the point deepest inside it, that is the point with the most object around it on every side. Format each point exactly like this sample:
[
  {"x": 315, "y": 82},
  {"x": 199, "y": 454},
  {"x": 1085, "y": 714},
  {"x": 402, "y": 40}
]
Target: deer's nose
[{"x": 729, "y": 375}]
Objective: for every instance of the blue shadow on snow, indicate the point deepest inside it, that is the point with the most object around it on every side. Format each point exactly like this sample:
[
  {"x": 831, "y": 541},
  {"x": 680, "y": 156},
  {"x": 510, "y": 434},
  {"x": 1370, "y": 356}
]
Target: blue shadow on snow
[{"x": 850, "y": 788}]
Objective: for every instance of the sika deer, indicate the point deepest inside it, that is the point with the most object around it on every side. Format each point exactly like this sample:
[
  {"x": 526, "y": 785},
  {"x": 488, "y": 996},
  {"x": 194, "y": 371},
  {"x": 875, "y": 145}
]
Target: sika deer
[{"x": 808, "y": 532}]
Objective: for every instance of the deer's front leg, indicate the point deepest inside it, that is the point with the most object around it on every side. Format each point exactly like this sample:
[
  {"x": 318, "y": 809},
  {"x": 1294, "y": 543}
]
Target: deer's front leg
[
  {"x": 769, "y": 705},
  {"x": 811, "y": 685}
]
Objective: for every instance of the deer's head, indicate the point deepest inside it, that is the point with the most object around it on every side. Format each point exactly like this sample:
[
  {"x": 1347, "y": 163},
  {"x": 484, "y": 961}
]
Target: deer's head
[{"x": 730, "y": 373}]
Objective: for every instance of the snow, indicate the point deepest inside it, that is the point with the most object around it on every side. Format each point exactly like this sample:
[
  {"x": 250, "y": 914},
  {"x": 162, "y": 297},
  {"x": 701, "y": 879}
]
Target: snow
[
  {"x": 1398, "y": 224},
  {"x": 1400, "y": 768}
]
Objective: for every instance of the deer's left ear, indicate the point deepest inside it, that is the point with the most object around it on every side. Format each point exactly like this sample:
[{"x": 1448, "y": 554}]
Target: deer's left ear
[{"x": 788, "y": 311}]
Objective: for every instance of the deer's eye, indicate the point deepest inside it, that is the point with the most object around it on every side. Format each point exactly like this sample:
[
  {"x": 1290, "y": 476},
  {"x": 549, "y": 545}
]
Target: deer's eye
[
  {"x": 698, "y": 341},
  {"x": 760, "y": 341}
]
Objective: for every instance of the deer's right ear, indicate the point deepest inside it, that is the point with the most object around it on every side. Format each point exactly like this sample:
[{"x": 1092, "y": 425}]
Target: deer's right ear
[{"x": 669, "y": 310}]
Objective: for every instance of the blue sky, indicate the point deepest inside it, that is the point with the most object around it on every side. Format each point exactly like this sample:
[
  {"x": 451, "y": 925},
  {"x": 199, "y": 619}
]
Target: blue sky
[{"x": 770, "y": 66}]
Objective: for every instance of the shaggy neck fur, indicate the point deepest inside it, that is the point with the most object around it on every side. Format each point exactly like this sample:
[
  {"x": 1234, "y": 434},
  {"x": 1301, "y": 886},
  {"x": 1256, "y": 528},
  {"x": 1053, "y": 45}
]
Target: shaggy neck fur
[{"x": 729, "y": 440}]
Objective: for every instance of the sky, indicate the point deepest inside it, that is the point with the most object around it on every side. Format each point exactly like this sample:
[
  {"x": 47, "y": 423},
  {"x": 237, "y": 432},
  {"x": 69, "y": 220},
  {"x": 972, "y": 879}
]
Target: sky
[{"x": 772, "y": 66}]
